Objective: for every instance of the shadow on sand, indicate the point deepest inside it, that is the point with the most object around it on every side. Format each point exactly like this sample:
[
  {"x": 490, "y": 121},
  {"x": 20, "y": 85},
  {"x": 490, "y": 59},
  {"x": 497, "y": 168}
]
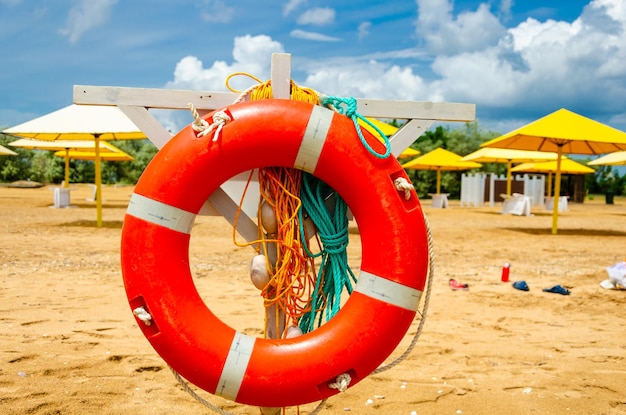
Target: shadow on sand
[
  {"x": 111, "y": 224},
  {"x": 568, "y": 232}
]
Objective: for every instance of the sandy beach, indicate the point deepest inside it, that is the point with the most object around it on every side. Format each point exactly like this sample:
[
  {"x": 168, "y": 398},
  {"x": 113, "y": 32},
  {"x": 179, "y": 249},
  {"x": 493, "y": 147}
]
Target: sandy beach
[{"x": 70, "y": 345}]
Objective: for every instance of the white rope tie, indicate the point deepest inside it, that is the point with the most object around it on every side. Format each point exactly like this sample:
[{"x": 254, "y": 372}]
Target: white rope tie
[
  {"x": 143, "y": 315},
  {"x": 199, "y": 124},
  {"x": 202, "y": 127},
  {"x": 342, "y": 382},
  {"x": 403, "y": 185}
]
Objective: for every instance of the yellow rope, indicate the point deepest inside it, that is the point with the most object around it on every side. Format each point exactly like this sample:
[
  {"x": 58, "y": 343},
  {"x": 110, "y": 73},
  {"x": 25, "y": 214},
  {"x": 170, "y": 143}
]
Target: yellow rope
[{"x": 263, "y": 90}]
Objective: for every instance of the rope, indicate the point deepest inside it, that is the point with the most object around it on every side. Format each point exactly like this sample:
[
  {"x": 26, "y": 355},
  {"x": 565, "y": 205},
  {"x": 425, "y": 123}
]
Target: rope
[
  {"x": 430, "y": 275},
  {"x": 342, "y": 382},
  {"x": 263, "y": 90},
  {"x": 202, "y": 127},
  {"x": 332, "y": 229},
  {"x": 185, "y": 385},
  {"x": 143, "y": 315},
  {"x": 403, "y": 185},
  {"x": 348, "y": 107},
  {"x": 190, "y": 391},
  {"x": 291, "y": 278}
]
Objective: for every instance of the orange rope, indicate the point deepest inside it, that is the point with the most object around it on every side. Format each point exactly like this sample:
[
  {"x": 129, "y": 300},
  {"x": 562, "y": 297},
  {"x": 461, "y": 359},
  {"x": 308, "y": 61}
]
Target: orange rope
[{"x": 292, "y": 277}]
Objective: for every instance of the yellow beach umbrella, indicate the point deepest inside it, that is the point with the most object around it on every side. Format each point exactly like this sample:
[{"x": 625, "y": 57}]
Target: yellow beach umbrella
[
  {"x": 387, "y": 129},
  {"x": 82, "y": 122},
  {"x": 568, "y": 166},
  {"x": 6, "y": 152},
  {"x": 613, "y": 159},
  {"x": 409, "y": 153},
  {"x": 440, "y": 159},
  {"x": 508, "y": 156},
  {"x": 563, "y": 132}
]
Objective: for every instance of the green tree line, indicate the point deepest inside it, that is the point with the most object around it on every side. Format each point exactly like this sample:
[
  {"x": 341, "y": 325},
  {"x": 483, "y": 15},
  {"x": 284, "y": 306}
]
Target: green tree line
[{"x": 42, "y": 166}]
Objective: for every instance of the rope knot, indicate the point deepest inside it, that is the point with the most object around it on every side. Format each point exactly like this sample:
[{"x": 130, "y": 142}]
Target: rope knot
[
  {"x": 203, "y": 128},
  {"x": 336, "y": 243},
  {"x": 341, "y": 383},
  {"x": 344, "y": 106},
  {"x": 143, "y": 315},
  {"x": 348, "y": 107},
  {"x": 403, "y": 185}
]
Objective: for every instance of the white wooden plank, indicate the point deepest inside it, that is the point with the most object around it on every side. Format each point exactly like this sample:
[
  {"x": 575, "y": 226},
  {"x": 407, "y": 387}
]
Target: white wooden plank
[
  {"x": 408, "y": 134},
  {"x": 228, "y": 208},
  {"x": 441, "y": 111},
  {"x": 207, "y": 100},
  {"x": 146, "y": 122},
  {"x": 152, "y": 98},
  {"x": 281, "y": 75}
]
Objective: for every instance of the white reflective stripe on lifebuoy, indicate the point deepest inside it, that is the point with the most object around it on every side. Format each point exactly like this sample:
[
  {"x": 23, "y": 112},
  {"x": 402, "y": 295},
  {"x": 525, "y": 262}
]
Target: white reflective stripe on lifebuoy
[
  {"x": 314, "y": 139},
  {"x": 388, "y": 291},
  {"x": 235, "y": 366},
  {"x": 160, "y": 214}
]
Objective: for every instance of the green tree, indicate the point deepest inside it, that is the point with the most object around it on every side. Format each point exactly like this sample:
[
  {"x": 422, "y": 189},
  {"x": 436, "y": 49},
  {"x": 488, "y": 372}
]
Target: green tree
[
  {"x": 43, "y": 166},
  {"x": 462, "y": 141}
]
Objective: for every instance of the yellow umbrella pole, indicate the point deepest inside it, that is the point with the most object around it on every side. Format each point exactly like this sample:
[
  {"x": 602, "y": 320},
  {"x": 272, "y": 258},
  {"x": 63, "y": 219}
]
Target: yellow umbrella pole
[
  {"x": 438, "y": 181},
  {"x": 509, "y": 165},
  {"x": 98, "y": 183},
  {"x": 67, "y": 168},
  {"x": 557, "y": 191}
]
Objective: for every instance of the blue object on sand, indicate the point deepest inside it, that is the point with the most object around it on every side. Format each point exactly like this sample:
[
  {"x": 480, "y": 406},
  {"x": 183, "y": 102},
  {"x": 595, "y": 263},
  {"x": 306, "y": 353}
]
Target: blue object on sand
[
  {"x": 520, "y": 285},
  {"x": 557, "y": 289}
]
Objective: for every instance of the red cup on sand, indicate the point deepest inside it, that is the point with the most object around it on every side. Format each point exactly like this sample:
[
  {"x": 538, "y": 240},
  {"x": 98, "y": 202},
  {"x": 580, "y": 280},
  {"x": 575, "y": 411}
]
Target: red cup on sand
[{"x": 505, "y": 272}]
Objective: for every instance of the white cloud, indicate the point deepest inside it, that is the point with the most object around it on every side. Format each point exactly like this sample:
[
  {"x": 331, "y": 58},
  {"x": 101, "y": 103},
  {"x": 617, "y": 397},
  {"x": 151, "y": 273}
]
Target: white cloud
[
  {"x": 368, "y": 79},
  {"x": 320, "y": 16},
  {"x": 251, "y": 54},
  {"x": 505, "y": 9},
  {"x": 216, "y": 11},
  {"x": 540, "y": 63},
  {"x": 320, "y": 37},
  {"x": 470, "y": 31},
  {"x": 364, "y": 30},
  {"x": 86, "y": 15},
  {"x": 292, "y": 5}
]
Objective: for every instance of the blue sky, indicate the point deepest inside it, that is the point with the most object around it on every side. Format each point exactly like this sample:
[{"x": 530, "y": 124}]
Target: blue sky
[{"x": 517, "y": 61}]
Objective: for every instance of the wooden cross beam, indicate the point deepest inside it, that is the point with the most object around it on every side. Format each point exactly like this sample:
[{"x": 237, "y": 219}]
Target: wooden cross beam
[{"x": 135, "y": 103}]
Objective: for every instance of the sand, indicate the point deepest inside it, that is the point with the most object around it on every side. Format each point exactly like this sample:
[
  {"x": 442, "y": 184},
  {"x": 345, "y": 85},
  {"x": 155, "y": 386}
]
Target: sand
[{"x": 70, "y": 345}]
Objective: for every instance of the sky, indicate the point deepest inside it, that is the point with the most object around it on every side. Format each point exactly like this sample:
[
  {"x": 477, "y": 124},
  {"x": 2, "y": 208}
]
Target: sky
[{"x": 516, "y": 60}]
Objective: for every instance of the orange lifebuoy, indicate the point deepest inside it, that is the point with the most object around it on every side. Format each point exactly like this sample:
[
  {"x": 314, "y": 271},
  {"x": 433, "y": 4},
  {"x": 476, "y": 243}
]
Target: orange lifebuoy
[{"x": 208, "y": 352}]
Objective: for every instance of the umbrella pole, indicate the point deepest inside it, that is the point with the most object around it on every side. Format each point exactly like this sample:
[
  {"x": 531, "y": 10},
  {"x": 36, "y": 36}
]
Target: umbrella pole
[
  {"x": 67, "y": 168},
  {"x": 98, "y": 183},
  {"x": 438, "y": 181},
  {"x": 509, "y": 165},
  {"x": 557, "y": 191}
]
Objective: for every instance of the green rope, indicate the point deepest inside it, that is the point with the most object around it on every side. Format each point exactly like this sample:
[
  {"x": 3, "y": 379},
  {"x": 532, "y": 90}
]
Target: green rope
[
  {"x": 334, "y": 274},
  {"x": 350, "y": 111}
]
